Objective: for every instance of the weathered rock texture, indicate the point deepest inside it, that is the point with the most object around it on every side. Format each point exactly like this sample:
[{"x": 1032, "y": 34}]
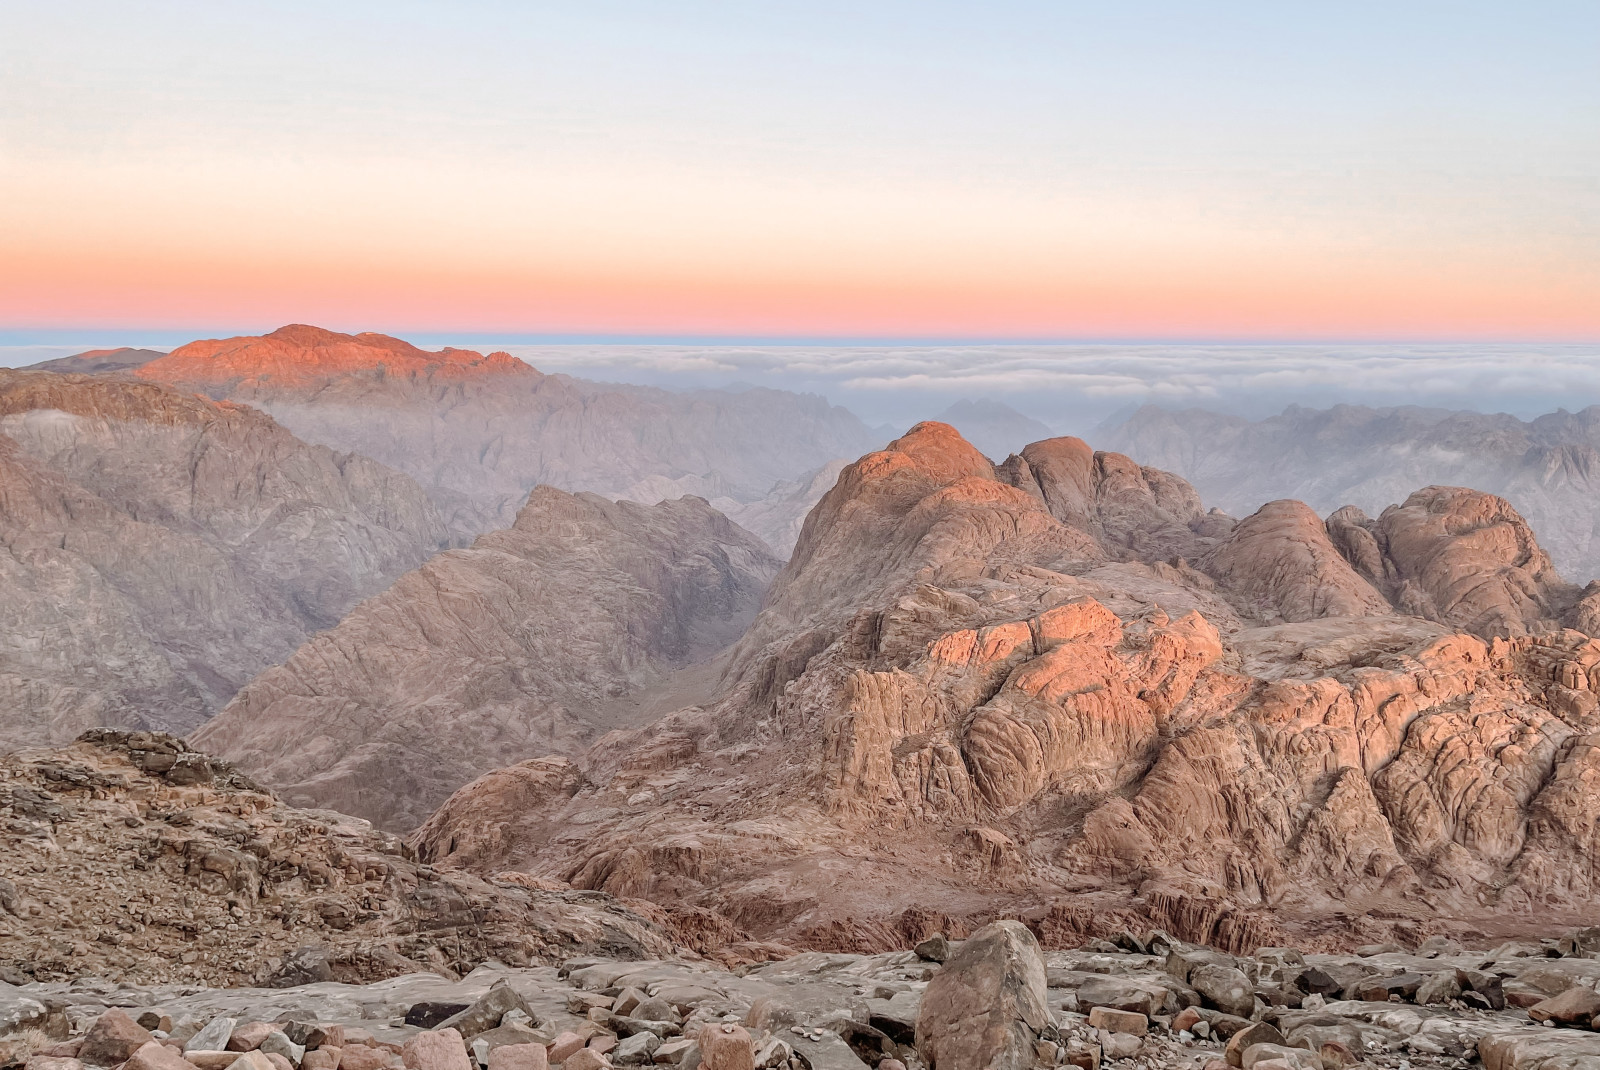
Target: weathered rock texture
[
  {"x": 129, "y": 855},
  {"x": 479, "y": 432},
  {"x": 1547, "y": 468},
  {"x": 162, "y": 549},
  {"x": 973, "y": 688},
  {"x": 532, "y": 641}
]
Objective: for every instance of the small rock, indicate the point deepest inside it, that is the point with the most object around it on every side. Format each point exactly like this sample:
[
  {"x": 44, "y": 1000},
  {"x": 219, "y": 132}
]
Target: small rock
[
  {"x": 248, "y": 1037},
  {"x": 1114, "y": 1021},
  {"x": 1083, "y": 1056},
  {"x": 606, "y": 1043},
  {"x": 519, "y": 1057},
  {"x": 627, "y": 1000},
  {"x": 213, "y": 1060},
  {"x": 318, "y": 1059},
  {"x": 154, "y": 1020},
  {"x": 276, "y": 1043},
  {"x": 1296, "y": 1058},
  {"x": 363, "y": 1057},
  {"x": 1120, "y": 1045},
  {"x": 214, "y": 1037},
  {"x": 1244, "y": 1039},
  {"x": 1439, "y": 988},
  {"x": 636, "y": 1050},
  {"x": 586, "y": 1059},
  {"x": 437, "y": 1049},
  {"x": 679, "y": 1052},
  {"x": 157, "y": 1056},
  {"x": 566, "y": 1045},
  {"x": 430, "y": 1015},
  {"x": 726, "y": 1047}
]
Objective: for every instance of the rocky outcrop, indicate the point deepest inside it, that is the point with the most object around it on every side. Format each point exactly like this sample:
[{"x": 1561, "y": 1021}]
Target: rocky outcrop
[
  {"x": 1467, "y": 559},
  {"x": 128, "y": 854},
  {"x": 969, "y": 687},
  {"x": 536, "y": 639},
  {"x": 1281, "y": 562},
  {"x": 162, "y": 549},
  {"x": 480, "y": 432},
  {"x": 1547, "y": 468},
  {"x": 778, "y": 517}
]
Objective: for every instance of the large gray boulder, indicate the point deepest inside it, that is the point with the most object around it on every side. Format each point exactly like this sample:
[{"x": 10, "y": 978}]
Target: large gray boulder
[{"x": 986, "y": 1008}]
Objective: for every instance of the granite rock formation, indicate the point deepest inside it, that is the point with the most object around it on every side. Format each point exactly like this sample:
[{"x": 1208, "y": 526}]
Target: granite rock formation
[
  {"x": 480, "y": 432},
  {"x": 534, "y": 640},
  {"x": 98, "y": 361},
  {"x": 978, "y": 688},
  {"x": 163, "y": 549},
  {"x": 1548, "y": 468}
]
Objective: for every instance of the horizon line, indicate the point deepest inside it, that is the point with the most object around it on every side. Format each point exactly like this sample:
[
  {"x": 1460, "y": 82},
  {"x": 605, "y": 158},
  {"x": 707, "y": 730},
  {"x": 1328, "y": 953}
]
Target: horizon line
[{"x": 135, "y": 337}]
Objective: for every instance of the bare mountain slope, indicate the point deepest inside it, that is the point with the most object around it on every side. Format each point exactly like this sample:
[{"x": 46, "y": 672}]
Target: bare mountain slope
[
  {"x": 479, "y": 432},
  {"x": 1547, "y": 468},
  {"x": 529, "y": 642},
  {"x": 162, "y": 549},
  {"x": 974, "y": 689}
]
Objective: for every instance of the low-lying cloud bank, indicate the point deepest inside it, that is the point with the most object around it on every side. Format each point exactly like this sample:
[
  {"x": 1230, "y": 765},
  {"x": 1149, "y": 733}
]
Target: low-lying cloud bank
[{"x": 1077, "y": 387}]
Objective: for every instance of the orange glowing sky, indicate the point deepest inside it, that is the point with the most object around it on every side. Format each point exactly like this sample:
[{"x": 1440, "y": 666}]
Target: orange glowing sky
[{"x": 1007, "y": 170}]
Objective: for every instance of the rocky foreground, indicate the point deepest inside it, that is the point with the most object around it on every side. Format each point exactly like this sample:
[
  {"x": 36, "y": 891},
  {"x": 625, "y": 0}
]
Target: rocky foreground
[{"x": 992, "y": 1001}]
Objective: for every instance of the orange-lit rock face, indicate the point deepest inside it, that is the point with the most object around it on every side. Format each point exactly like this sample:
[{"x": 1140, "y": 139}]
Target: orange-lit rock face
[
  {"x": 972, "y": 688},
  {"x": 298, "y": 355}
]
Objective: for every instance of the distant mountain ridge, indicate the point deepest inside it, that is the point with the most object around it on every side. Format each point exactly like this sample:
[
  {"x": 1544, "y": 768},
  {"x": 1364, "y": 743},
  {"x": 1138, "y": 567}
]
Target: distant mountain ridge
[
  {"x": 480, "y": 432},
  {"x": 1548, "y": 468}
]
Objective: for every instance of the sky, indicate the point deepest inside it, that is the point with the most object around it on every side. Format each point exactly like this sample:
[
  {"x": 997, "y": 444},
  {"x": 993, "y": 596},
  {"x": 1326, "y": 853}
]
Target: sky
[{"x": 1397, "y": 172}]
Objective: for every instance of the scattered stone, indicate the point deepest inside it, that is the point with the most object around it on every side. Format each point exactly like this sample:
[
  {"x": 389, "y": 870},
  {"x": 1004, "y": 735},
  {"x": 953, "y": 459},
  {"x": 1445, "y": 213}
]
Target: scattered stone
[
  {"x": 248, "y": 1037},
  {"x": 566, "y": 1045},
  {"x": 586, "y": 1059},
  {"x": 1244, "y": 1039},
  {"x": 636, "y": 1050},
  {"x": 1121, "y": 993},
  {"x": 1440, "y": 987},
  {"x": 214, "y": 1037},
  {"x": 518, "y": 1057},
  {"x": 1114, "y": 1021},
  {"x": 934, "y": 949},
  {"x": 436, "y": 1049},
  {"x": 277, "y": 1043},
  {"x": 156, "y": 1056},
  {"x": 1120, "y": 1045},
  {"x": 679, "y": 1052}
]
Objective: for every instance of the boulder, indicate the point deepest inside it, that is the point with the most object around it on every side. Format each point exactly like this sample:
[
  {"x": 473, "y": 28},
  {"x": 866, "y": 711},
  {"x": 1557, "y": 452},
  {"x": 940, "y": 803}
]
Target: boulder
[
  {"x": 1440, "y": 987},
  {"x": 113, "y": 1039},
  {"x": 1113, "y": 1021},
  {"x": 724, "y": 1046},
  {"x": 248, "y": 1037},
  {"x": 1225, "y": 989},
  {"x": 636, "y": 1050},
  {"x": 985, "y": 1008},
  {"x": 1297, "y": 1058},
  {"x": 1534, "y": 1049},
  {"x": 486, "y": 1013},
  {"x": 1249, "y": 1037},
  {"x": 1122, "y": 994},
  {"x": 1581, "y": 943},
  {"x": 934, "y": 949},
  {"x": 586, "y": 1059},
  {"x": 1576, "y": 1006},
  {"x": 565, "y": 1045},
  {"x": 437, "y": 1049}
]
